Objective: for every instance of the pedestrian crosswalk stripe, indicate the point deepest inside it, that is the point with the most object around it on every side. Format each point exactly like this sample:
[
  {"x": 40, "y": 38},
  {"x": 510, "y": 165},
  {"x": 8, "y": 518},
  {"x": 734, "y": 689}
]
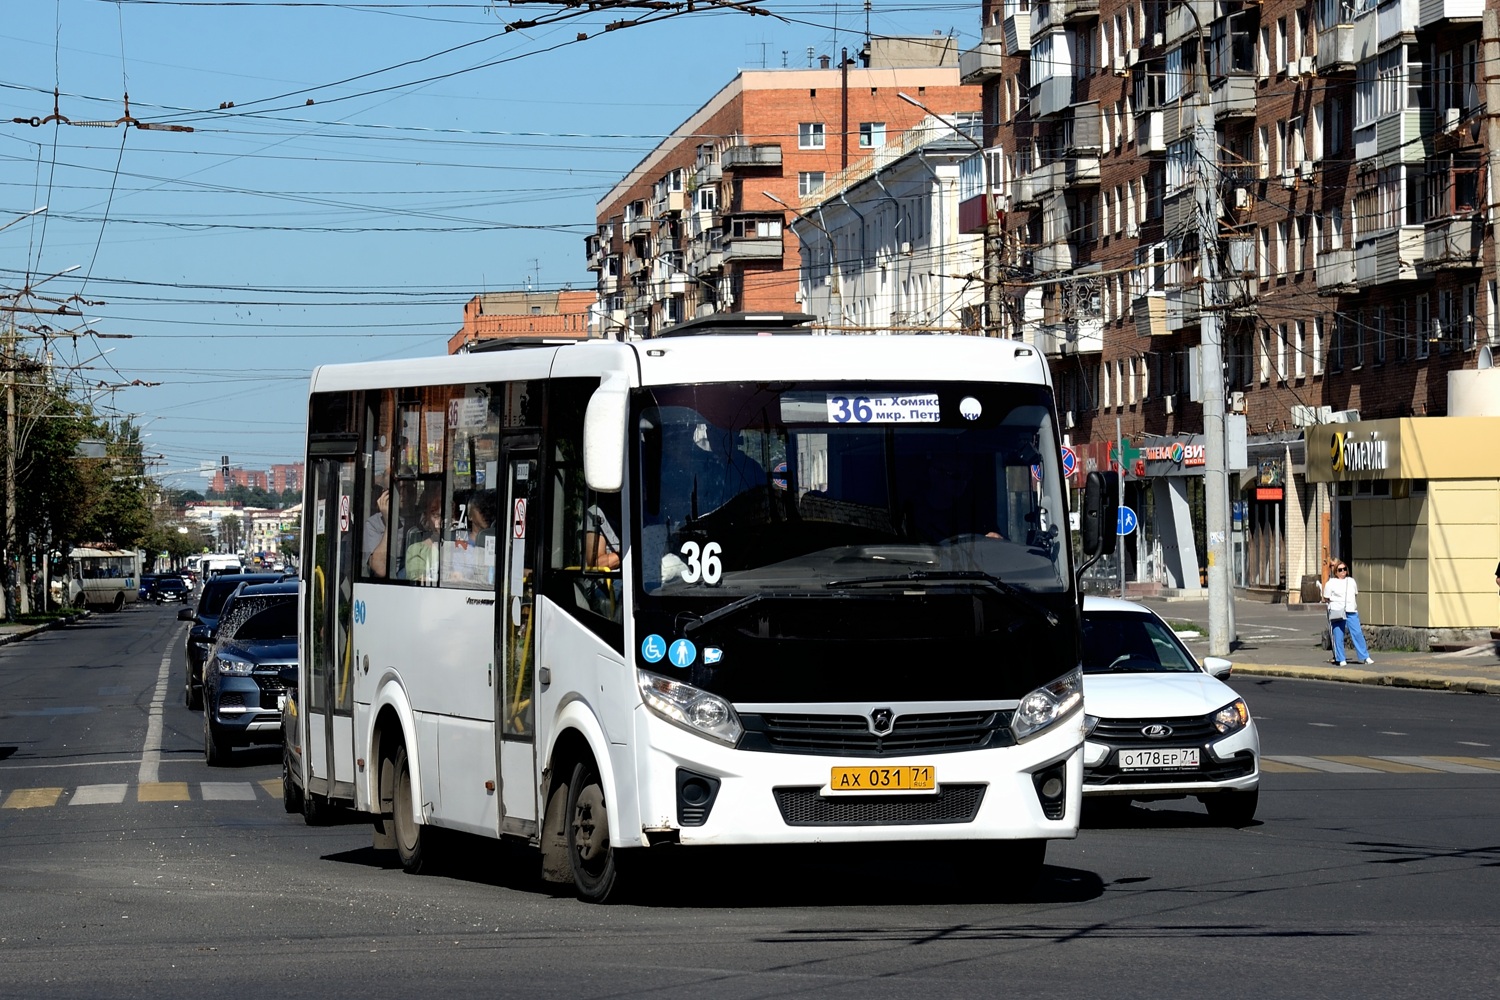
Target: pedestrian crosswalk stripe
[
  {"x": 1275, "y": 765},
  {"x": 223, "y": 791},
  {"x": 162, "y": 791},
  {"x": 33, "y": 798},
  {"x": 1454, "y": 765},
  {"x": 1387, "y": 764},
  {"x": 1488, "y": 763},
  {"x": 92, "y": 795},
  {"x": 273, "y": 787},
  {"x": 1324, "y": 764}
]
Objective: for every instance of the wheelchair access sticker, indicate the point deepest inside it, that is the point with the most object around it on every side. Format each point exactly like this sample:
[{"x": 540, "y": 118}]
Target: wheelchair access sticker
[{"x": 653, "y": 648}]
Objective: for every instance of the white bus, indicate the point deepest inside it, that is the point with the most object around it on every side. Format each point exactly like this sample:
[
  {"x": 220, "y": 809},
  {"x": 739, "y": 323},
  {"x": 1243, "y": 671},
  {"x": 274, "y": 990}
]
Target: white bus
[
  {"x": 103, "y": 578},
  {"x": 702, "y": 589}
]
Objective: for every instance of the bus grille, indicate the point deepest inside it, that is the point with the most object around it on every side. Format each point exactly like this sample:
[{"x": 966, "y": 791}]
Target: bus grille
[
  {"x": 805, "y": 807},
  {"x": 850, "y": 736}
]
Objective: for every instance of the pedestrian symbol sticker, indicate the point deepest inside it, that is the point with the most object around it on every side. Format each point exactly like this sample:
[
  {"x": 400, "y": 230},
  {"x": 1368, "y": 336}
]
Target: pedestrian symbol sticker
[
  {"x": 653, "y": 648},
  {"x": 683, "y": 653}
]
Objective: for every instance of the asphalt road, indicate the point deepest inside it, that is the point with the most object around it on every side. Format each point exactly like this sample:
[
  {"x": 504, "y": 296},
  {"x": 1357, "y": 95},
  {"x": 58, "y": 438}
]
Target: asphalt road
[{"x": 1361, "y": 879}]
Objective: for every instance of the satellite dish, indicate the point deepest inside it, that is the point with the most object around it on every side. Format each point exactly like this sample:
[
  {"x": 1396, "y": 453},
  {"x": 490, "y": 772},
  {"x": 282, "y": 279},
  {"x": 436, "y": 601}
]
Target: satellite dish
[{"x": 1486, "y": 357}]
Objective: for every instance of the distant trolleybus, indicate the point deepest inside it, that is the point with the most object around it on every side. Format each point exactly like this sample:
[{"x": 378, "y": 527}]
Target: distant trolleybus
[{"x": 711, "y": 588}]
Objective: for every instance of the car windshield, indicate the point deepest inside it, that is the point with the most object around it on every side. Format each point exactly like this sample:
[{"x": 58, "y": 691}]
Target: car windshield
[
  {"x": 259, "y": 618},
  {"x": 1131, "y": 642},
  {"x": 755, "y": 488}
]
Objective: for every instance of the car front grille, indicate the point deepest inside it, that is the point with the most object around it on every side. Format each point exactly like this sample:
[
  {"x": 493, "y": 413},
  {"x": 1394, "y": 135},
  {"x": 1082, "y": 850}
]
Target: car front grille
[
  {"x": 850, "y": 736},
  {"x": 805, "y": 807},
  {"x": 1127, "y": 733}
]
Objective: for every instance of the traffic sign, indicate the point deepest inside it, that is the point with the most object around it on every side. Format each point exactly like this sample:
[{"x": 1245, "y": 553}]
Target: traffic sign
[
  {"x": 1126, "y": 523},
  {"x": 1069, "y": 462}
]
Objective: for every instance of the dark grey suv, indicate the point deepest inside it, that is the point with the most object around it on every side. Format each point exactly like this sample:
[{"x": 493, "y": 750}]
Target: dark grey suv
[
  {"x": 253, "y": 661},
  {"x": 205, "y": 619}
]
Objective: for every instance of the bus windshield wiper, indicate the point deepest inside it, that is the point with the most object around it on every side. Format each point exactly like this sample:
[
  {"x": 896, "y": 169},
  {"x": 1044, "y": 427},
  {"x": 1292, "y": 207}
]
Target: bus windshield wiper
[
  {"x": 994, "y": 583},
  {"x": 735, "y": 607}
]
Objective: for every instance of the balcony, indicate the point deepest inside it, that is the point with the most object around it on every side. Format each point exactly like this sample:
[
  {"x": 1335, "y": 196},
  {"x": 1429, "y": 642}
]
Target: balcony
[
  {"x": 1336, "y": 49},
  {"x": 1233, "y": 96},
  {"x": 1078, "y": 10},
  {"x": 596, "y": 251},
  {"x": 1018, "y": 32},
  {"x": 638, "y": 226},
  {"x": 1150, "y": 315},
  {"x": 1052, "y": 257},
  {"x": 1051, "y": 178},
  {"x": 1335, "y": 270},
  {"x": 1052, "y": 94},
  {"x": 982, "y": 62},
  {"x": 1024, "y": 192},
  {"x": 1434, "y": 12},
  {"x": 752, "y": 248},
  {"x": 1389, "y": 256},
  {"x": 1186, "y": 19},
  {"x": 1453, "y": 243},
  {"x": 758, "y": 157},
  {"x": 1064, "y": 339},
  {"x": 1404, "y": 137},
  {"x": 672, "y": 201},
  {"x": 1182, "y": 308},
  {"x": 1047, "y": 14},
  {"x": 1178, "y": 119},
  {"x": 1082, "y": 171},
  {"x": 1179, "y": 210},
  {"x": 1393, "y": 19},
  {"x": 707, "y": 172}
]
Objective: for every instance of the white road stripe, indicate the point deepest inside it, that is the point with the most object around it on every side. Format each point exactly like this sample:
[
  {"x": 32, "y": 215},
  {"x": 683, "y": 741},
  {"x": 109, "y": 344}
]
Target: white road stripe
[
  {"x": 150, "y": 771},
  {"x": 1440, "y": 765},
  {"x": 1331, "y": 766},
  {"x": 93, "y": 795},
  {"x": 226, "y": 791}
]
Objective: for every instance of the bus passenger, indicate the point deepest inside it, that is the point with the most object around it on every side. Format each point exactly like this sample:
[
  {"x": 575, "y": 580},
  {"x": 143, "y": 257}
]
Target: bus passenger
[{"x": 421, "y": 560}]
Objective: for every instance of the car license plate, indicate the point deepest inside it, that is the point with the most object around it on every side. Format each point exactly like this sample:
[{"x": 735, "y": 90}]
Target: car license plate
[
  {"x": 1158, "y": 760},
  {"x": 908, "y": 778}
]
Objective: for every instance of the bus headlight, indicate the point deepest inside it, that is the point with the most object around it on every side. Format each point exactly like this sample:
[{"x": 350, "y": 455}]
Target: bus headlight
[
  {"x": 691, "y": 708},
  {"x": 1047, "y": 704}
]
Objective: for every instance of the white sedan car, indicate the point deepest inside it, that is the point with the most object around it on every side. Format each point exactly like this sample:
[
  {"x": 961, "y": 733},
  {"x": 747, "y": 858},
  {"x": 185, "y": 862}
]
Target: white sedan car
[{"x": 1160, "y": 725}]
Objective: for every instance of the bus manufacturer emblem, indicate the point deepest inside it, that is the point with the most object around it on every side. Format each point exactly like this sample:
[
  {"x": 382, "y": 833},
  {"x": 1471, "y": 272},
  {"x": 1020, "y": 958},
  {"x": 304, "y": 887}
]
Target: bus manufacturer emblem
[{"x": 882, "y": 721}]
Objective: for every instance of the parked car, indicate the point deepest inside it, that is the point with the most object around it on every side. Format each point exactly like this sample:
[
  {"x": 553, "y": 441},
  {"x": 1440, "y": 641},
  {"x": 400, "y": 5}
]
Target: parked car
[
  {"x": 1160, "y": 725},
  {"x": 169, "y": 588},
  {"x": 253, "y": 661},
  {"x": 205, "y": 619}
]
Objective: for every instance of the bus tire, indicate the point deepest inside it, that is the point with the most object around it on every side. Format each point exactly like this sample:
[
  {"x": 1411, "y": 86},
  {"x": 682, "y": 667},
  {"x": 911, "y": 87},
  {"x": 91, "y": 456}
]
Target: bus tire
[
  {"x": 595, "y": 862},
  {"x": 291, "y": 793},
  {"x": 413, "y": 839},
  {"x": 119, "y": 604}
]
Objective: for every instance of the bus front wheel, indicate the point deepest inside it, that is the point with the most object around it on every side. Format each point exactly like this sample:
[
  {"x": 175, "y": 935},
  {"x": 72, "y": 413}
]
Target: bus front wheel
[
  {"x": 596, "y": 864},
  {"x": 413, "y": 839}
]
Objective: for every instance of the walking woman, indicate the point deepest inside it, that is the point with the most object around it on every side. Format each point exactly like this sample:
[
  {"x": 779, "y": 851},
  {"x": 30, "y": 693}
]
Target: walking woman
[{"x": 1341, "y": 594}]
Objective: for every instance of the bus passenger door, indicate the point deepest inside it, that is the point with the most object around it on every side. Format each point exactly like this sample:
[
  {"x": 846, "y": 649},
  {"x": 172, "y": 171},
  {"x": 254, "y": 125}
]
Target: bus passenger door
[
  {"x": 327, "y": 706},
  {"x": 515, "y": 641}
]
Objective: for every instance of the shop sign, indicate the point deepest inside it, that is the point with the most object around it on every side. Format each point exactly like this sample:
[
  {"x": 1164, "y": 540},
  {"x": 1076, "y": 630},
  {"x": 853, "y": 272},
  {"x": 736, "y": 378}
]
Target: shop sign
[
  {"x": 1349, "y": 452},
  {"x": 1174, "y": 456}
]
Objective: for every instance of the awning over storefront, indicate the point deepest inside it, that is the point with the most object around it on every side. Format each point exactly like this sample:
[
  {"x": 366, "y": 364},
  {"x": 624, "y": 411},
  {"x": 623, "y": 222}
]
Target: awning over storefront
[{"x": 1405, "y": 448}]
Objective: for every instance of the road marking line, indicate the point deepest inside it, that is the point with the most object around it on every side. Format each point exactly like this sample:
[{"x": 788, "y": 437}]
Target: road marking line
[
  {"x": 1383, "y": 764},
  {"x": 273, "y": 787},
  {"x": 93, "y": 795},
  {"x": 162, "y": 791},
  {"x": 1479, "y": 762},
  {"x": 150, "y": 771},
  {"x": 225, "y": 791},
  {"x": 32, "y": 798},
  {"x": 1272, "y": 765},
  {"x": 1321, "y": 764},
  {"x": 1453, "y": 765}
]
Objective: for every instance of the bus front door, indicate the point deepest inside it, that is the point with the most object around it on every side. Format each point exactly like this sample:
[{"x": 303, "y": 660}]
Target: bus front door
[
  {"x": 515, "y": 642},
  {"x": 327, "y": 723}
]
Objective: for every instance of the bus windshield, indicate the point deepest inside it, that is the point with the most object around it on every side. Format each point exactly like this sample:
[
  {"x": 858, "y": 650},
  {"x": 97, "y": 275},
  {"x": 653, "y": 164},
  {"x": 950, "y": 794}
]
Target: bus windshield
[{"x": 755, "y": 488}]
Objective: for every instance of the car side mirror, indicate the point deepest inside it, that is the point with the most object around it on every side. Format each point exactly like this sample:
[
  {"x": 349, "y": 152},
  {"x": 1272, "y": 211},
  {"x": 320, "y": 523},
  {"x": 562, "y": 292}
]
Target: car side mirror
[
  {"x": 185, "y": 614},
  {"x": 1218, "y": 667}
]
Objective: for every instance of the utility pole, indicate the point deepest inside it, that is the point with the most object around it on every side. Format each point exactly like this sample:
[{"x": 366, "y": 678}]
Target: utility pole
[{"x": 1489, "y": 66}]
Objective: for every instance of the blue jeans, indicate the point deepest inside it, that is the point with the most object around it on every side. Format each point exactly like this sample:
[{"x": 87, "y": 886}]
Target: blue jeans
[{"x": 1356, "y": 635}]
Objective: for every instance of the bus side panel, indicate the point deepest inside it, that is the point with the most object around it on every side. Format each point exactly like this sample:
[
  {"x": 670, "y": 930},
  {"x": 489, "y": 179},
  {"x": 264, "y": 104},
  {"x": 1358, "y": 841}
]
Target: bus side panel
[
  {"x": 465, "y": 749},
  {"x": 590, "y": 690}
]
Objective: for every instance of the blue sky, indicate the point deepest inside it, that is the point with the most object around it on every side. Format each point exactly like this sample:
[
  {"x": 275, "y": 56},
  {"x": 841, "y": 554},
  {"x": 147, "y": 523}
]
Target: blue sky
[{"x": 440, "y": 156}]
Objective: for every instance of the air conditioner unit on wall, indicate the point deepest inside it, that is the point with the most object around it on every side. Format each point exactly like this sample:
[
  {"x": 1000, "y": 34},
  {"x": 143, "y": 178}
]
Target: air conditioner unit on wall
[
  {"x": 1236, "y": 402},
  {"x": 1307, "y": 170},
  {"x": 1242, "y": 198},
  {"x": 1451, "y": 118},
  {"x": 1132, "y": 56},
  {"x": 1307, "y": 66},
  {"x": 1289, "y": 179},
  {"x": 1118, "y": 63}
]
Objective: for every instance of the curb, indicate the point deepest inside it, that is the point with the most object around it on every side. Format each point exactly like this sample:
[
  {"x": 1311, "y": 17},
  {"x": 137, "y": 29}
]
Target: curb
[{"x": 1468, "y": 685}]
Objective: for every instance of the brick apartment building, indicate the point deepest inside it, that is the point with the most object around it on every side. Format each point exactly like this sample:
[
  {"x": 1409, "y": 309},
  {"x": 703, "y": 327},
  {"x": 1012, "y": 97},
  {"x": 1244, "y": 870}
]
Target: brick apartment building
[
  {"x": 690, "y": 230},
  {"x": 494, "y": 315},
  {"x": 1336, "y": 236},
  {"x": 279, "y": 479}
]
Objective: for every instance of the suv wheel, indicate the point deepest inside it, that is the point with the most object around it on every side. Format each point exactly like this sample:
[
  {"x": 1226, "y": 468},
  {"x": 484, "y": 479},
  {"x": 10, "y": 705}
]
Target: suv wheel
[{"x": 216, "y": 748}]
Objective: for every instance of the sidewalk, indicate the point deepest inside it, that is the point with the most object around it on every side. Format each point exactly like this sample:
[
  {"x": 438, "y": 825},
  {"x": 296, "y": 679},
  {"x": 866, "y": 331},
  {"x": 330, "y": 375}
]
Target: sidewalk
[
  {"x": 1281, "y": 640},
  {"x": 13, "y": 632}
]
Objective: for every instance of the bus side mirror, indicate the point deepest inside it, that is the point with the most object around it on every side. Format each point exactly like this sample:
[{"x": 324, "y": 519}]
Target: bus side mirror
[
  {"x": 1101, "y": 513},
  {"x": 604, "y": 434}
]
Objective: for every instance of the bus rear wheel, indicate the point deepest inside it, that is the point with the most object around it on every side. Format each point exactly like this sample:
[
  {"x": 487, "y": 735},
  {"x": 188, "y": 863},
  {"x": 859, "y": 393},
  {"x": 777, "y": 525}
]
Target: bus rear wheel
[
  {"x": 596, "y": 863},
  {"x": 119, "y": 604}
]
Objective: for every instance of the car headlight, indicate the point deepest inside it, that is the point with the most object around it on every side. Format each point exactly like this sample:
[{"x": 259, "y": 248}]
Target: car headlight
[
  {"x": 1047, "y": 704},
  {"x": 1235, "y": 715},
  {"x": 232, "y": 668},
  {"x": 691, "y": 708}
]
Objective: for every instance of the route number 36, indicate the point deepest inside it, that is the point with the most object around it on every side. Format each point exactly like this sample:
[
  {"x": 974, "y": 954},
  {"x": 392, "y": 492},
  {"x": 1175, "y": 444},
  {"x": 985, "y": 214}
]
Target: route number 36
[{"x": 708, "y": 568}]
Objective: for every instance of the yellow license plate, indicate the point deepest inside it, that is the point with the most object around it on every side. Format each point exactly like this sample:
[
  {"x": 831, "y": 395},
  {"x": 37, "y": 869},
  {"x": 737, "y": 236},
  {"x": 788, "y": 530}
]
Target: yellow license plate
[{"x": 909, "y": 778}]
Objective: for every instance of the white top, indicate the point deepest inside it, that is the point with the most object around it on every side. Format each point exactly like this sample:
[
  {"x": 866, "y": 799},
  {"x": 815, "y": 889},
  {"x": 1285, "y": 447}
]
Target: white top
[{"x": 1342, "y": 595}]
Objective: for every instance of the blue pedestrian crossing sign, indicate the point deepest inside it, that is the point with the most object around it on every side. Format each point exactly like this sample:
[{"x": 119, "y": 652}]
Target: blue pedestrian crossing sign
[{"x": 1127, "y": 521}]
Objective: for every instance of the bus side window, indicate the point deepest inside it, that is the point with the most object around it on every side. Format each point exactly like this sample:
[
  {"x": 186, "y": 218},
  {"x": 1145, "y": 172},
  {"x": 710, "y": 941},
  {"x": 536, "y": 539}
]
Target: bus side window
[{"x": 375, "y": 500}]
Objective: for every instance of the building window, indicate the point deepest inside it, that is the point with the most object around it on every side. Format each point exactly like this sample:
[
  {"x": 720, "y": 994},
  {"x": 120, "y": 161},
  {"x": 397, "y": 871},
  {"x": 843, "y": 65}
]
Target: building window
[
  {"x": 871, "y": 135},
  {"x": 809, "y": 182},
  {"x": 1423, "y": 332},
  {"x": 1299, "y": 349},
  {"x": 1377, "y": 333},
  {"x": 810, "y": 135},
  {"x": 1317, "y": 345}
]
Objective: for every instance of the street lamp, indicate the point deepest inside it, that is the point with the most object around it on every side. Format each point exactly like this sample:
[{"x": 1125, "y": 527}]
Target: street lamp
[
  {"x": 992, "y": 299},
  {"x": 833, "y": 252},
  {"x": 35, "y": 211}
]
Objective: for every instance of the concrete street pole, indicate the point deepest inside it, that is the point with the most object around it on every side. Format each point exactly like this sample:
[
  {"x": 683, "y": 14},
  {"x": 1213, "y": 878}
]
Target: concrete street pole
[{"x": 1211, "y": 358}]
